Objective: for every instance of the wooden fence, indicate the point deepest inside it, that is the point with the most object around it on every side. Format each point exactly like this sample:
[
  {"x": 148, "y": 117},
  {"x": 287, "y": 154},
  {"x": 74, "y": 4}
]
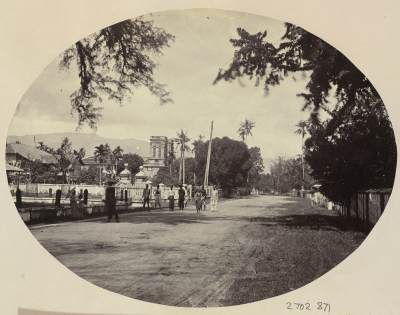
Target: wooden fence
[{"x": 365, "y": 208}]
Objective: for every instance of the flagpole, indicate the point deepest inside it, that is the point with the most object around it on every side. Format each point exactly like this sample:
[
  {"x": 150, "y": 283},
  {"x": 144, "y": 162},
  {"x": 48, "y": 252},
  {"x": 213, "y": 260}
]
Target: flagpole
[{"x": 208, "y": 158}]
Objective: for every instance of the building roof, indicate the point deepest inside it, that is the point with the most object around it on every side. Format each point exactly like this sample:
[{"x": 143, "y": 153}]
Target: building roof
[
  {"x": 11, "y": 168},
  {"x": 30, "y": 153},
  {"x": 90, "y": 160}
]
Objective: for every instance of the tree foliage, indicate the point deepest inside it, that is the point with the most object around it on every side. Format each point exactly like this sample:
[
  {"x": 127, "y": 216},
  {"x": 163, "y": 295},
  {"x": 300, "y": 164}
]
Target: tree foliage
[
  {"x": 245, "y": 129},
  {"x": 355, "y": 147},
  {"x": 299, "y": 51},
  {"x": 90, "y": 176},
  {"x": 257, "y": 167},
  {"x": 66, "y": 157},
  {"x": 102, "y": 153},
  {"x": 182, "y": 144},
  {"x": 134, "y": 162},
  {"x": 264, "y": 183},
  {"x": 230, "y": 162},
  {"x": 42, "y": 173},
  {"x": 163, "y": 176},
  {"x": 353, "y": 150},
  {"x": 196, "y": 143},
  {"x": 112, "y": 62},
  {"x": 287, "y": 174}
]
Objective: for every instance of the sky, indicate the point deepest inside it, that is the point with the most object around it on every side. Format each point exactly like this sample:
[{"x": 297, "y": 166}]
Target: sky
[{"x": 188, "y": 67}]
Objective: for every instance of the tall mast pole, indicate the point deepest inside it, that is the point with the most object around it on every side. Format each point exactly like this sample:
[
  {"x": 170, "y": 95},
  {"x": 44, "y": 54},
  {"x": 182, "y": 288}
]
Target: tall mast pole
[{"x": 208, "y": 158}]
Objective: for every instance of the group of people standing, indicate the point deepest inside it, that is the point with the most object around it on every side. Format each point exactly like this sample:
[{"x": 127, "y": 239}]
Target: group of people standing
[
  {"x": 201, "y": 196},
  {"x": 182, "y": 197},
  {"x": 200, "y": 199}
]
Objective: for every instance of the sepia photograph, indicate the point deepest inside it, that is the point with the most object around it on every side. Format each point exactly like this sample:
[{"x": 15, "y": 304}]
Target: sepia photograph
[{"x": 200, "y": 158}]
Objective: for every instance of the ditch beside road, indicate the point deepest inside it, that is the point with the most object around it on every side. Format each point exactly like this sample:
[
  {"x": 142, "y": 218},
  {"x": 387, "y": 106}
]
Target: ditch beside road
[{"x": 253, "y": 248}]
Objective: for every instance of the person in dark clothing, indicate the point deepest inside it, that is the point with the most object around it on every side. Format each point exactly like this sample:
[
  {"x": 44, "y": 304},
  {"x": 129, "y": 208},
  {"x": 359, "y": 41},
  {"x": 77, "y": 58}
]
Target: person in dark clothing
[
  {"x": 111, "y": 202},
  {"x": 146, "y": 198},
  {"x": 181, "y": 197},
  {"x": 203, "y": 197},
  {"x": 198, "y": 201}
]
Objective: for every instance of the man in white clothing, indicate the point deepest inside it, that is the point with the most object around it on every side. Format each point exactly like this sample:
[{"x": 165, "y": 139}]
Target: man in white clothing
[{"x": 214, "y": 199}]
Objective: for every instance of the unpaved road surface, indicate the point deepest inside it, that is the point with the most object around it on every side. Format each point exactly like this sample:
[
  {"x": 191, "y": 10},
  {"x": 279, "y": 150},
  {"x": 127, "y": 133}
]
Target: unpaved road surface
[{"x": 251, "y": 249}]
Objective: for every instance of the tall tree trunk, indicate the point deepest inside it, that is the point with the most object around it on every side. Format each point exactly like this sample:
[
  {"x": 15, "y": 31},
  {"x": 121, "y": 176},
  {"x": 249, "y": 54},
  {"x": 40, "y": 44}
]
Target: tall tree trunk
[{"x": 183, "y": 168}]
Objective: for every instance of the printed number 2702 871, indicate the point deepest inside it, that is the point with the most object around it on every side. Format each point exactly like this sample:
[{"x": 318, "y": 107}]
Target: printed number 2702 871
[{"x": 325, "y": 307}]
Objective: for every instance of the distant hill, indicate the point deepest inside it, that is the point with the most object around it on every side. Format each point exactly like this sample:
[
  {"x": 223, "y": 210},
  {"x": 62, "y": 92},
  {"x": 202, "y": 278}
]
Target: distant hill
[{"x": 87, "y": 141}]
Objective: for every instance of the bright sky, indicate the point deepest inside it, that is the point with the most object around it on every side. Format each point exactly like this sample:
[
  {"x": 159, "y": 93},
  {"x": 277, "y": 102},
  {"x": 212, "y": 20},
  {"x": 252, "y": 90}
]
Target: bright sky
[{"x": 189, "y": 67}]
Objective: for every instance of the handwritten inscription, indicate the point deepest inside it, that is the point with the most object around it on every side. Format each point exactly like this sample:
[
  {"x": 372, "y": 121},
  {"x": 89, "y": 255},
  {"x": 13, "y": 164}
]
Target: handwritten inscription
[{"x": 324, "y": 307}]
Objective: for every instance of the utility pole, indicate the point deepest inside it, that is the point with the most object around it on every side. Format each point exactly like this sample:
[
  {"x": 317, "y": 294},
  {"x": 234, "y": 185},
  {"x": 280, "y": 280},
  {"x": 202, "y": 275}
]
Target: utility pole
[{"x": 208, "y": 158}]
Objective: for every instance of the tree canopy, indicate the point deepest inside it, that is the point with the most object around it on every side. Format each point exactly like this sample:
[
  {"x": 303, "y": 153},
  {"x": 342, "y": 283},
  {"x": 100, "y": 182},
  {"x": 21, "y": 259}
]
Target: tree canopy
[
  {"x": 355, "y": 147},
  {"x": 353, "y": 150},
  {"x": 299, "y": 51},
  {"x": 66, "y": 158},
  {"x": 230, "y": 162},
  {"x": 286, "y": 174},
  {"x": 134, "y": 162},
  {"x": 112, "y": 62},
  {"x": 257, "y": 166}
]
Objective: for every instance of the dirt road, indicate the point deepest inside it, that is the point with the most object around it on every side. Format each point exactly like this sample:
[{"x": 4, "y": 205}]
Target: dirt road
[{"x": 251, "y": 249}]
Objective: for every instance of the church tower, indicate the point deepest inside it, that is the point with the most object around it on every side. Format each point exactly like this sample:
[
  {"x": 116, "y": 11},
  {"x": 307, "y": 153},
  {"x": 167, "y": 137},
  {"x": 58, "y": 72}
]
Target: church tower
[{"x": 160, "y": 149}]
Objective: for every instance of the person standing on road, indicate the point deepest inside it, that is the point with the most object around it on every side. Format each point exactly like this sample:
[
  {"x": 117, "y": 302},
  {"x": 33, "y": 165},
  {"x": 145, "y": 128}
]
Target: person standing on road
[
  {"x": 198, "y": 200},
  {"x": 203, "y": 197},
  {"x": 146, "y": 198},
  {"x": 157, "y": 197},
  {"x": 111, "y": 201},
  {"x": 181, "y": 197},
  {"x": 74, "y": 205},
  {"x": 171, "y": 198},
  {"x": 80, "y": 207},
  {"x": 214, "y": 199},
  {"x": 186, "y": 196},
  {"x": 313, "y": 200}
]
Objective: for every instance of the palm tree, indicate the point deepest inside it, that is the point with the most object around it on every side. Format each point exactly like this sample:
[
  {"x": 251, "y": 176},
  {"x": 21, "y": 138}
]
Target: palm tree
[
  {"x": 170, "y": 159},
  {"x": 245, "y": 129},
  {"x": 101, "y": 154},
  {"x": 41, "y": 146},
  {"x": 183, "y": 139},
  {"x": 80, "y": 154},
  {"x": 116, "y": 156},
  {"x": 66, "y": 145},
  {"x": 302, "y": 131}
]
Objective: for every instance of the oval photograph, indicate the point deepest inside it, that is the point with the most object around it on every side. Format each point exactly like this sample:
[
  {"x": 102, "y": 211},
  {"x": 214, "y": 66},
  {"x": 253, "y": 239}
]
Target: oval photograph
[{"x": 201, "y": 158}]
